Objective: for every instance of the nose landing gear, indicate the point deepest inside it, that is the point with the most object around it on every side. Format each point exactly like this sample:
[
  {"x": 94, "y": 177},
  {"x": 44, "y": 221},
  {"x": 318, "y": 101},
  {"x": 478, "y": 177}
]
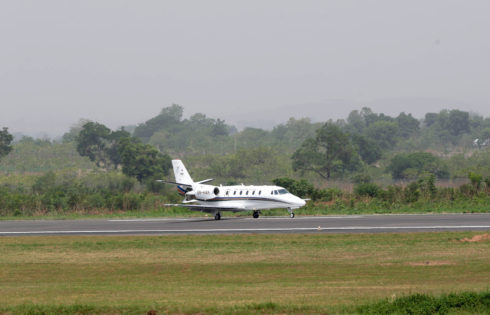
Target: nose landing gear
[{"x": 291, "y": 213}]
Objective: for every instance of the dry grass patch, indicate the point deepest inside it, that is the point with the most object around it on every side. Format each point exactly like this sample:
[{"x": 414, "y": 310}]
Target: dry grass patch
[{"x": 477, "y": 238}]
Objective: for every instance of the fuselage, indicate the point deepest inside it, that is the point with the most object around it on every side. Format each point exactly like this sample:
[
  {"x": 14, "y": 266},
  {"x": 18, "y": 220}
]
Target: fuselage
[{"x": 244, "y": 197}]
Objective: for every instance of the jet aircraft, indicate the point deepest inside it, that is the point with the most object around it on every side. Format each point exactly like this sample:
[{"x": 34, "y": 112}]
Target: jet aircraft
[{"x": 215, "y": 199}]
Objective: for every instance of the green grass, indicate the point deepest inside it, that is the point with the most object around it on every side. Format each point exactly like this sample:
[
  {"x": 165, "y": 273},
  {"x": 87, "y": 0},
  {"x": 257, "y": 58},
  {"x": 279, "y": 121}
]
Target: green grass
[
  {"x": 460, "y": 303},
  {"x": 462, "y": 206},
  {"x": 236, "y": 274}
]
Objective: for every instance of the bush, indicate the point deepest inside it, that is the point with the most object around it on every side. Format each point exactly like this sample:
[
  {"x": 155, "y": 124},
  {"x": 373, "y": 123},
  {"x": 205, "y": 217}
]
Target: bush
[
  {"x": 475, "y": 179},
  {"x": 367, "y": 189},
  {"x": 299, "y": 188},
  {"x": 467, "y": 302},
  {"x": 326, "y": 194},
  {"x": 412, "y": 192},
  {"x": 392, "y": 194}
]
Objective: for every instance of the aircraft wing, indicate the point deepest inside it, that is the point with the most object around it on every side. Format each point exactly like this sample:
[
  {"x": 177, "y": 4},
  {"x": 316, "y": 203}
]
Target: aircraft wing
[{"x": 205, "y": 208}]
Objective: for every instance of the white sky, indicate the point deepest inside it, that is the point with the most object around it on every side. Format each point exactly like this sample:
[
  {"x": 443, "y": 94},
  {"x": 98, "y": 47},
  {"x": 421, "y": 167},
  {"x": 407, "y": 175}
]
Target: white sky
[{"x": 120, "y": 62}]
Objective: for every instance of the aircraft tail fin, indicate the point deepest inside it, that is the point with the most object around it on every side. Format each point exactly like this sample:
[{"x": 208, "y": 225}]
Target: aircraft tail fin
[{"x": 181, "y": 174}]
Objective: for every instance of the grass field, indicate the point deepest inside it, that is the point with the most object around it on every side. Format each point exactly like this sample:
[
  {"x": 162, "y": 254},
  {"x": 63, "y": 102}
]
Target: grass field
[{"x": 235, "y": 273}]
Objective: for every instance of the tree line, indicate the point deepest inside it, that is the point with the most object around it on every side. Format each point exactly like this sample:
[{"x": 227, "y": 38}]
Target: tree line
[{"x": 364, "y": 144}]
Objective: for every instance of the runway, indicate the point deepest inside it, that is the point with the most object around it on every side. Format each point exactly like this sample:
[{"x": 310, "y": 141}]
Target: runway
[{"x": 239, "y": 225}]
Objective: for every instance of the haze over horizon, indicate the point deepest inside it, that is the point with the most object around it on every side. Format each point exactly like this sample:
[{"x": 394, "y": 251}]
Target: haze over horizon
[{"x": 252, "y": 63}]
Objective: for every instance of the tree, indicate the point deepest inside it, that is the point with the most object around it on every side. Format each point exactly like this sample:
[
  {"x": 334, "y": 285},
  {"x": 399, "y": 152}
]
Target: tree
[
  {"x": 413, "y": 165},
  {"x": 169, "y": 116},
  {"x": 75, "y": 129},
  {"x": 368, "y": 149},
  {"x": 219, "y": 128},
  {"x": 485, "y": 134},
  {"x": 141, "y": 160},
  {"x": 5, "y": 142},
  {"x": 448, "y": 126},
  {"x": 458, "y": 122},
  {"x": 384, "y": 133},
  {"x": 290, "y": 135},
  {"x": 355, "y": 122},
  {"x": 93, "y": 141},
  {"x": 100, "y": 144},
  {"x": 430, "y": 119},
  {"x": 330, "y": 152},
  {"x": 112, "y": 149},
  {"x": 407, "y": 125}
]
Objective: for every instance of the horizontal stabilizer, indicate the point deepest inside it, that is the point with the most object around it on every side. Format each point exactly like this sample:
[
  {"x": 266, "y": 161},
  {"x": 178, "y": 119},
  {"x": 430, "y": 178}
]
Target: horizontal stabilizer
[
  {"x": 206, "y": 181},
  {"x": 173, "y": 183}
]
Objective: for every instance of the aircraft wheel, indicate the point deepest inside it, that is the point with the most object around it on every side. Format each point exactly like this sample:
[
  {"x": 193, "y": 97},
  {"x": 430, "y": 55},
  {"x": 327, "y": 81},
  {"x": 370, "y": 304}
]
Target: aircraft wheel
[
  {"x": 292, "y": 215},
  {"x": 217, "y": 216},
  {"x": 256, "y": 214}
]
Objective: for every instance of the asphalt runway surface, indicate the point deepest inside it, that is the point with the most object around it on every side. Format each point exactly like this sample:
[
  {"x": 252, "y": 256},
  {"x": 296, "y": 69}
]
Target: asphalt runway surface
[{"x": 245, "y": 225}]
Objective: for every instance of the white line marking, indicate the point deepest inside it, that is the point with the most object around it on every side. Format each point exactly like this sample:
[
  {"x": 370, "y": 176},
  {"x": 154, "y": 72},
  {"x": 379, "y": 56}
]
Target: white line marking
[
  {"x": 356, "y": 228},
  {"x": 151, "y": 220}
]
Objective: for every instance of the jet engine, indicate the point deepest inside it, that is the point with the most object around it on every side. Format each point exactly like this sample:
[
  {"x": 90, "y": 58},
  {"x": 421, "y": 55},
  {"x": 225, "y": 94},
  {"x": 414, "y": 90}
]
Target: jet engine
[{"x": 206, "y": 192}]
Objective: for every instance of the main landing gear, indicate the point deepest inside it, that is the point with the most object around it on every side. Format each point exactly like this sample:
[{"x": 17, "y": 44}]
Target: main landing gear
[
  {"x": 256, "y": 214},
  {"x": 217, "y": 216}
]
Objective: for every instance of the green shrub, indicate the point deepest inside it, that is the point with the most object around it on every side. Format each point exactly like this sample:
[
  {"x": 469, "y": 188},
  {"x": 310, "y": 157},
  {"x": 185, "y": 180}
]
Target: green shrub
[
  {"x": 412, "y": 192},
  {"x": 467, "y": 302},
  {"x": 367, "y": 189}
]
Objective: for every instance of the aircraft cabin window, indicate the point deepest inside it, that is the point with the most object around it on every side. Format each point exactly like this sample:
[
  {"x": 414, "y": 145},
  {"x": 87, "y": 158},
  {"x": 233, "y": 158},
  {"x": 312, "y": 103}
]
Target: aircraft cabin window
[
  {"x": 246, "y": 193},
  {"x": 241, "y": 192},
  {"x": 260, "y": 192},
  {"x": 227, "y": 192},
  {"x": 234, "y": 193},
  {"x": 275, "y": 192},
  {"x": 272, "y": 192},
  {"x": 253, "y": 192}
]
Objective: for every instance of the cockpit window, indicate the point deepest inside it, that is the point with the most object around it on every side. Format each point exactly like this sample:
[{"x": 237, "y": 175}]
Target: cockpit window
[{"x": 283, "y": 191}]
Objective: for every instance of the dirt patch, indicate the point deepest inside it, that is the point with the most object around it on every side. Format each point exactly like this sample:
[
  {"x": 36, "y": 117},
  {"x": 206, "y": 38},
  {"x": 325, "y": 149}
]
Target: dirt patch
[
  {"x": 477, "y": 238},
  {"x": 430, "y": 263}
]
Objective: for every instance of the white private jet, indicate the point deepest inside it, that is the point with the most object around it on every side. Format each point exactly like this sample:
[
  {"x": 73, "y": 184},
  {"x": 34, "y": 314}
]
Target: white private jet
[{"x": 214, "y": 199}]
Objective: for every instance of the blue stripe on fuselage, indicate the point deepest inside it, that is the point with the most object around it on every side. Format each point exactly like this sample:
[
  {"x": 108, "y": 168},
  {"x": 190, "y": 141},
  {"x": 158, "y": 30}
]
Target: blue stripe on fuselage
[{"x": 181, "y": 190}]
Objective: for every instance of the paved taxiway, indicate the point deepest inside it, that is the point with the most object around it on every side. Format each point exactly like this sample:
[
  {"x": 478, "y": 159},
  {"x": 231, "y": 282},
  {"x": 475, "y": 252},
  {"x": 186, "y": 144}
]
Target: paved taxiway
[{"x": 233, "y": 225}]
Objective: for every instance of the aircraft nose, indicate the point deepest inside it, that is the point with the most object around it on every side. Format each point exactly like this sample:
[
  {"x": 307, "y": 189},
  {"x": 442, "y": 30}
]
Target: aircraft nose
[{"x": 300, "y": 202}]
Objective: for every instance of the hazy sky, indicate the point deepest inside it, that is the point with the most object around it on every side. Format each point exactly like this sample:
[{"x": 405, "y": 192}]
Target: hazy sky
[{"x": 119, "y": 62}]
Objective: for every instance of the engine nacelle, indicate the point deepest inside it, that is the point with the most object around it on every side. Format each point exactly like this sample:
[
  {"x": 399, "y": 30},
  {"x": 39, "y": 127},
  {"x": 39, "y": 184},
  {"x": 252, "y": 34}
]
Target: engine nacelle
[{"x": 206, "y": 192}]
